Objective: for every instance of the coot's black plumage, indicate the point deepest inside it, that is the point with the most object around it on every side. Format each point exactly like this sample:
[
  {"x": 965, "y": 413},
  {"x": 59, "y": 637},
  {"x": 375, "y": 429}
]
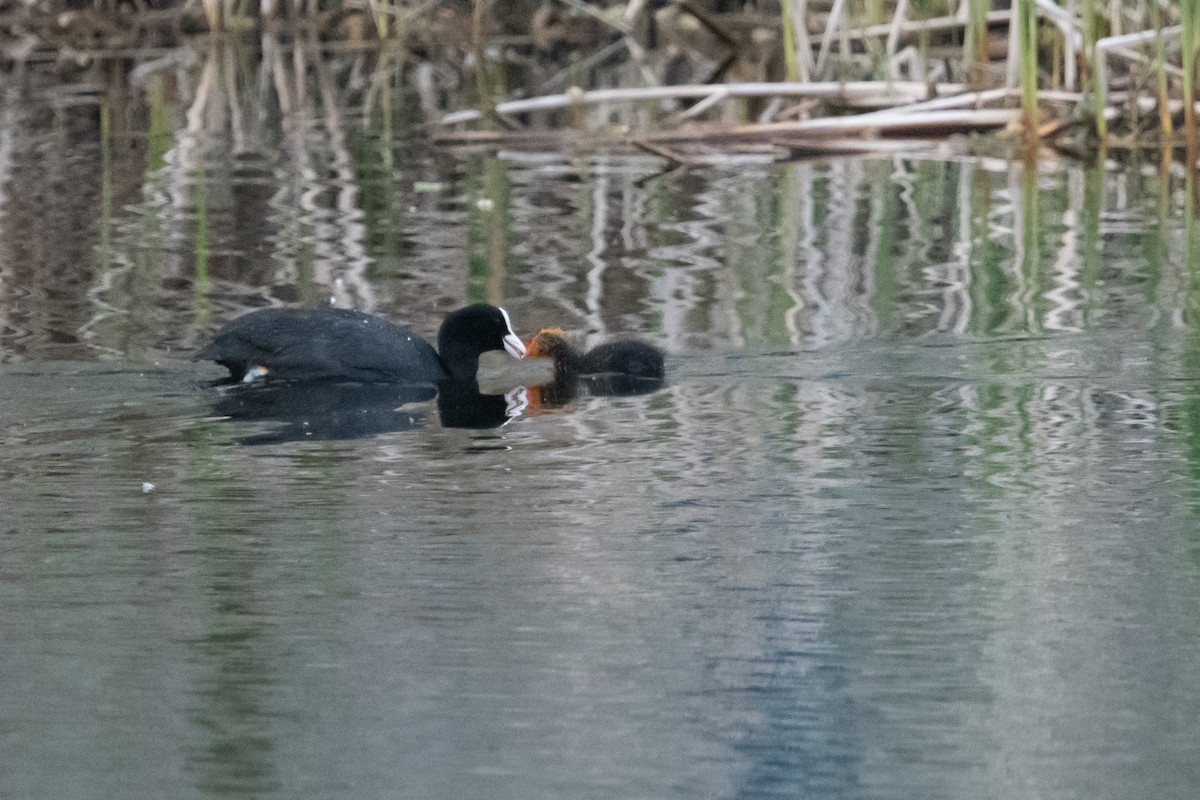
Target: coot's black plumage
[{"x": 296, "y": 344}]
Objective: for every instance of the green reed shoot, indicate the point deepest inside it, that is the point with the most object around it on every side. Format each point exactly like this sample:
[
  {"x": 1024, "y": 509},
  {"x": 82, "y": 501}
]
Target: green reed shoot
[
  {"x": 483, "y": 78},
  {"x": 1160, "y": 61},
  {"x": 1190, "y": 45},
  {"x": 976, "y": 55},
  {"x": 1026, "y": 11},
  {"x": 789, "y": 42},
  {"x": 1091, "y": 14}
]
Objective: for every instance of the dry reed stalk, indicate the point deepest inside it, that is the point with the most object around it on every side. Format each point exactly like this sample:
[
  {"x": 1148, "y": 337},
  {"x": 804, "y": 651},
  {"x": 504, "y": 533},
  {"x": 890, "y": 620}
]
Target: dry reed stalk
[
  {"x": 893, "y": 37},
  {"x": 1119, "y": 46},
  {"x": 941, "y": 103},
  {"x": 213, "y": 14},
  {"x": 808, "y": 148},
  {"x": 907, "y": 28},
  {"x": 797, "y": 53},
  {"x": 1069, "y": 25},
  {"x": 707, "y": 22},
  {"x": 898, "y": 123},
  {"x": 617, "y": 24},
  {"x": 836, "y": 21},
  {"x": 876, "y": 124},
  {"x": 900, "y": 91},
  {"x": 486, "y": 140}
]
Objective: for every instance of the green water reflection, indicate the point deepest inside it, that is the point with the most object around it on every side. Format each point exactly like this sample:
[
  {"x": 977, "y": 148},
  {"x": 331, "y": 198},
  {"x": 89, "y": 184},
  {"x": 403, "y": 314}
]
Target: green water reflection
[{"x": 915, "y": 516}]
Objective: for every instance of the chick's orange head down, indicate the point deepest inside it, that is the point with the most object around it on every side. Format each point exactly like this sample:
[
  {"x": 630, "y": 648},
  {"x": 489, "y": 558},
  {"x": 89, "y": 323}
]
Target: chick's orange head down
[{"x": 546, "y": 343}]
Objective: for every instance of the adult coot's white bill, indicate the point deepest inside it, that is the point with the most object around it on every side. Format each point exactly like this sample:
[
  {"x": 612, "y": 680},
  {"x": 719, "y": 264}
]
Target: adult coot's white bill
[{"x": 295, "y": 344}]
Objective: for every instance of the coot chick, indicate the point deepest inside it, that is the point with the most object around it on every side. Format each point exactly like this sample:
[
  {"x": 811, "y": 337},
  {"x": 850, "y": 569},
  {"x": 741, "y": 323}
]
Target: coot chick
[
  {"x": 627, "y": 357},
  {"x": 614, "y": 369},
  {"x": 295, "y": 344}
]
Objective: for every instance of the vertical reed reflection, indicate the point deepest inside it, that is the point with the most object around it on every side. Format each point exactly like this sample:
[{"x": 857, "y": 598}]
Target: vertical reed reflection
[
  {"x": 259, "y": 184},
  {"x": 914, "y": 410}
]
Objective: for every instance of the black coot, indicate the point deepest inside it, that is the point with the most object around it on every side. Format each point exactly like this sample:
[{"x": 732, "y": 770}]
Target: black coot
[{"x": 294, "y": 344}]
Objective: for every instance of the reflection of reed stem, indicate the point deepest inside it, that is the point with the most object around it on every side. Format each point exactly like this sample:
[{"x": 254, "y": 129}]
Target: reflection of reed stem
[
  {"x": 353, "y": 261},
  {"x": 201, "y": 245},
  {"x": 1029, "y": 264},
  {"x": 208, "y": 76},
  {"x": 236, "y": 120},
  {"x": 106, "y": 188}
]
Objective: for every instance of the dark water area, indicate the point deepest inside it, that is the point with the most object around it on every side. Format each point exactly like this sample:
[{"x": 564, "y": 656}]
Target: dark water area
[{"x": 915, "y": 515}]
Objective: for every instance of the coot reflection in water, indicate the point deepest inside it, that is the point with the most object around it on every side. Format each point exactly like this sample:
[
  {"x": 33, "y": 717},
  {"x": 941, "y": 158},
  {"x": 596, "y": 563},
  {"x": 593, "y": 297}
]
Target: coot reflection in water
[{"x": 338, "y": 410}]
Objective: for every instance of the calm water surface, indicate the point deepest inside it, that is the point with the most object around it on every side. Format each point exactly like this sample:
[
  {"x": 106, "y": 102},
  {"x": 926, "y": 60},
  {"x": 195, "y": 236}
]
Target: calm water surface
[{"x": 917, "y": 514}]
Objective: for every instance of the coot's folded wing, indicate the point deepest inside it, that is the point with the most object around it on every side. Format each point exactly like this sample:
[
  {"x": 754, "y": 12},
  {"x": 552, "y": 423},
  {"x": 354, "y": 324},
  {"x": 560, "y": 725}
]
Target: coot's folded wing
[
  {"x": 359, "y": 346},
  {"x": 303, "y": 344}
]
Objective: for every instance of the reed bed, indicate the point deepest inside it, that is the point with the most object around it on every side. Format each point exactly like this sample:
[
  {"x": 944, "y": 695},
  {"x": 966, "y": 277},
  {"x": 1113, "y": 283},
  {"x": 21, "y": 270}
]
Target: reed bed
[{"x": 1086, "y": 77}]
